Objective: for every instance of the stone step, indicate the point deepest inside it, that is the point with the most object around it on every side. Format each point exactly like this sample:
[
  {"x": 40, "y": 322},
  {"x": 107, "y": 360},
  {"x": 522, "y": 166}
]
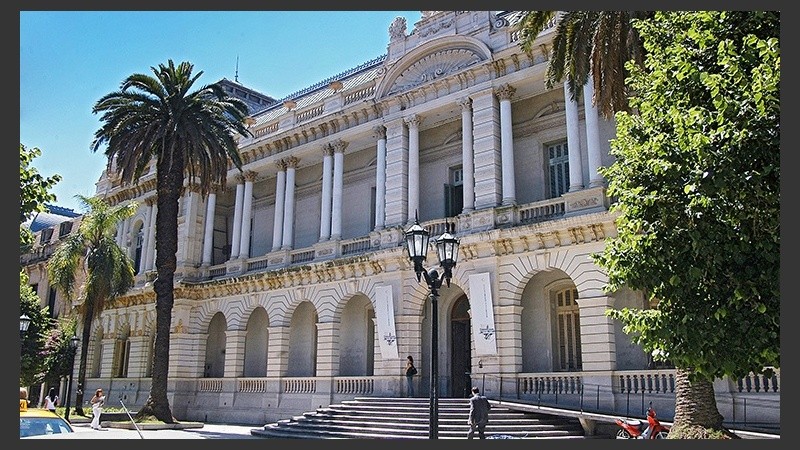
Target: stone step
[{"x": 407, "y": 418}]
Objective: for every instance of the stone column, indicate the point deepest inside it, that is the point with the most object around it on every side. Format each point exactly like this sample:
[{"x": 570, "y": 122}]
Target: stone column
[
  {"x": 280, "y": 193},
  {"x": 598, "y": 347},
  {"x": 288, "y": 204},
  {"x": 467, "y": 162},
  {"x": 208, "y": 235},
  {"x": 327, "y": 349},
  {"x": 126, "y": 239},
  {"x": 140, "y": 351},
  {"x": 247, "y": 212},
  {"x": 278, "y": 362},
  {"x": 486, "y": 136},
  {"x": 592, "y": 134},
  {"x": 338, "y": 187},
  {"x": 237, "y": 218},
  {"x": 396, "y": 173},
  {"x": 573, "y": 142},
  {"x": 327, "y": 186},
  {"x": 120, "y": 233},
  {"x": 504, "y": 93},
  {"x": 413, "y": 165},
  {"x": 145, "y": 238},
  {"x": 380, "y": 179},
  {"x": 149, "y": 234},
  {"x": 234, "y": 353},
  {"x": 189, "y": 232},
  {"x": 151, "y": 247}
]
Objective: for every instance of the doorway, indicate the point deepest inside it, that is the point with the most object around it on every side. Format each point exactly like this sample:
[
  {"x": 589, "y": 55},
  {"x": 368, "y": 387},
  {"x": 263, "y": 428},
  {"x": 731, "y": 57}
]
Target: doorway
[{"x": 460, "y": 349}]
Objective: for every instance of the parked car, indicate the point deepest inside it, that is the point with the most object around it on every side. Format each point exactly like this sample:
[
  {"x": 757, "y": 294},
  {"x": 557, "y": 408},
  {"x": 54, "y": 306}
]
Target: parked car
[{"x": 39, "y": 422}]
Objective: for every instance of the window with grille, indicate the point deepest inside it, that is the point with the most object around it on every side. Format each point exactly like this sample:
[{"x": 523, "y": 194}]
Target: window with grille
[
  {"x": 569, "y": 330},
  {"x": 558, "y": 161}
]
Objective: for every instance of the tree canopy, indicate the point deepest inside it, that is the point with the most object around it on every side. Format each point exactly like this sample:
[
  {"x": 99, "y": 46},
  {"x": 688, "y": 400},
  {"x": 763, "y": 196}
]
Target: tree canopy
[
  {"x": 34, "y": 190},
  {"x": 697, "y": 185}
]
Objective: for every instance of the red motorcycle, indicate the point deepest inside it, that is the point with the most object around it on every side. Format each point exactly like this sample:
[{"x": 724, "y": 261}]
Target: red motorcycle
[{"x": 639, "y": 429}]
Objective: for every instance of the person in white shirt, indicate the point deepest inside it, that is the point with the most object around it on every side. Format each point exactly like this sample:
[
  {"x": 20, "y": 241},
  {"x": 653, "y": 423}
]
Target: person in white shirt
[
  {"x": 97, "y": 408},
  {"x": 51, "y": 400}
]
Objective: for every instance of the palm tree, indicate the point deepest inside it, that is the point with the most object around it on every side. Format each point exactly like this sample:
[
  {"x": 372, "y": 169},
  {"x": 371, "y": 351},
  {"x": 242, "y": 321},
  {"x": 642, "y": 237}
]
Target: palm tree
[
  {"x": 190, "y": 135},
  {"x": 599, "y": 43},
  {"x": 92, "y": 257}
]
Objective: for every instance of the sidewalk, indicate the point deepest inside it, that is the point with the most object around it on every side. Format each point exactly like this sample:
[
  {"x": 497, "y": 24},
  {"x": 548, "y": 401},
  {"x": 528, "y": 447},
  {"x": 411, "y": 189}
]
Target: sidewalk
[{"x": 208, "y": 431}]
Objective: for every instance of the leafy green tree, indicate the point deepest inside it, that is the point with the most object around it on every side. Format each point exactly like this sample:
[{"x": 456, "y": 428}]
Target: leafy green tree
[
  {"x": 31, "y": 360},
  {"x": 190, "y": 136},
  {"x": 90, "y": 264},
  {"x": 34, "y": 191},
  {"x": 697, "y": 182},
  {"x": 56, "y": 353},
  {"x": 589, "y": 43}
]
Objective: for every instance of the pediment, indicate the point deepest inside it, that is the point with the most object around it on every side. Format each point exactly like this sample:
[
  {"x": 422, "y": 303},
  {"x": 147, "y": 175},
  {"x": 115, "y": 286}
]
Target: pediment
[
  {"x": 436, "y": 59},
  {"x": 433, "y": 66}
]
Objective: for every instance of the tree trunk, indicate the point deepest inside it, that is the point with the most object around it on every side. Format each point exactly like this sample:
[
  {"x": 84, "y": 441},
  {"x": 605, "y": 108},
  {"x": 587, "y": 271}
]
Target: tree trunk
[
  {"x": 170, "y": 182},
  {"x": 88, "y": 317},
  {"x": 696, "y": 412}
]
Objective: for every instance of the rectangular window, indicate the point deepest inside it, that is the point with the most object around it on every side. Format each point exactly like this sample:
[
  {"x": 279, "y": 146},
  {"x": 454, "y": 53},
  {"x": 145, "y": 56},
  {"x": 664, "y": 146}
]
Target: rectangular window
[
  {"x": 46, "y": 235},
  {"x": 454, "y": 192},
  {"x": 64, "y": 229},
  {"x": 51, "y": 302},
  {"x": 569, "y": 330},
  {"x": 558, "y": 163},
  {"x": 122, "y": 355}
]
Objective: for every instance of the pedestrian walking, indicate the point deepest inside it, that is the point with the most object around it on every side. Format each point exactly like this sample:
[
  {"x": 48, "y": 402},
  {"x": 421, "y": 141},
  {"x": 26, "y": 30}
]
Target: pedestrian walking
[
  {"x": 97, "y": 408},
  {"x": 478, "y": 414}
]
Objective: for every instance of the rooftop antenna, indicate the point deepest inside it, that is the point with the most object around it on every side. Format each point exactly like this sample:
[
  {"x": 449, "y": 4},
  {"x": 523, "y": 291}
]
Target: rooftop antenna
[{"x": 236, "y": 76}]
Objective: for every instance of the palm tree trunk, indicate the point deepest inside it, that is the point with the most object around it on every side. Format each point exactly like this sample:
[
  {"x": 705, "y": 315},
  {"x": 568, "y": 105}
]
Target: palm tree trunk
[
  {"x": 169, "y": 185},
  {"x": 88, "y": 317},
  {"x": 696, "y": 412}
]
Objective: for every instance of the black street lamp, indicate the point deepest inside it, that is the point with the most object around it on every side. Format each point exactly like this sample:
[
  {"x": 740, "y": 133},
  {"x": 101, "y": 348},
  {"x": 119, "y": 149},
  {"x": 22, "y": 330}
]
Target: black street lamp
[
  {"x": 73, "y": 345},
  {"x": 24, "y": 323},
  {"x": 416, "y": 239}
]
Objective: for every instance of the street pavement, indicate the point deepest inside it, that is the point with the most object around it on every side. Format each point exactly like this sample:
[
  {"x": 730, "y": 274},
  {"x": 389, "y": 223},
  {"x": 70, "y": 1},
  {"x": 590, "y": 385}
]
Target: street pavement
[{"x": 208, "y": 431}]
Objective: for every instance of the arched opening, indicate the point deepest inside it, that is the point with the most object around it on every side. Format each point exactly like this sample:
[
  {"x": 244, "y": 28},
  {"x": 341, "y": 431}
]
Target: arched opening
[{"x": 460, "y": 348}]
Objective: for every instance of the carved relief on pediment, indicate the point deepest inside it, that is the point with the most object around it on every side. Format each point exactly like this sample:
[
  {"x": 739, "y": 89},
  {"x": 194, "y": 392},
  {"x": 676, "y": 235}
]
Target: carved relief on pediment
[{"x": 433, "y": 66}]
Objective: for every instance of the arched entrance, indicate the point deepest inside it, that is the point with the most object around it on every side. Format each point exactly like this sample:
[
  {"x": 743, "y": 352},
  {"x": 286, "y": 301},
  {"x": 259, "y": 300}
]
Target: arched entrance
[{"x": 460, "y": 348}]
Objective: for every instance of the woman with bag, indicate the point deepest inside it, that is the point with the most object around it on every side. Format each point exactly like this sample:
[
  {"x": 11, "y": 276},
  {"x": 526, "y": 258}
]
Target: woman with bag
[{"x": 410, "y": 372}]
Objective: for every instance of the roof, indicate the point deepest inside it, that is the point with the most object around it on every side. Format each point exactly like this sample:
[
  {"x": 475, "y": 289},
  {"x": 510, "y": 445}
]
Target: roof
[{"x": 51, "y": 217}]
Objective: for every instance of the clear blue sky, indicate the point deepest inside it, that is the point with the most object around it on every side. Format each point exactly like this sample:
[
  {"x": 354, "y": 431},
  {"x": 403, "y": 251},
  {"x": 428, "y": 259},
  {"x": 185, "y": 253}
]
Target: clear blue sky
[{"x": 69, "y": 59}]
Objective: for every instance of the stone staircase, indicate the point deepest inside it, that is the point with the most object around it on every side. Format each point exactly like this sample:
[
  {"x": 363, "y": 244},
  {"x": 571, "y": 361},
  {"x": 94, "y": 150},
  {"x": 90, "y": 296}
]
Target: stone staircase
[{"x": 407, "y": 418}]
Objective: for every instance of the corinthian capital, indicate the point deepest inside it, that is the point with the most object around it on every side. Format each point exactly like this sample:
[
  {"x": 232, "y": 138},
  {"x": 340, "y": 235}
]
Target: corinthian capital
[
  {"x": 339, "y": 146},
  {"x": 505, "y": 92},
  {"x": 413, "y": 120}
]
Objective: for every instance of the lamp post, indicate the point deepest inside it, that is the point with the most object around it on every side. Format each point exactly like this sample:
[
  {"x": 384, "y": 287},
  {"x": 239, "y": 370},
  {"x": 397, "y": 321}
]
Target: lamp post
[
  {"x": 73, "y": 345},
  {"x": 416, "y": 239},
  {"x": 24, "y": 323}
]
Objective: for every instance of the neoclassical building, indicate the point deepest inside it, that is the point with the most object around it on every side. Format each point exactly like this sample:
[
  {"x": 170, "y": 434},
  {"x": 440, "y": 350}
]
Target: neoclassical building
[{"x": 294, "y": 289}]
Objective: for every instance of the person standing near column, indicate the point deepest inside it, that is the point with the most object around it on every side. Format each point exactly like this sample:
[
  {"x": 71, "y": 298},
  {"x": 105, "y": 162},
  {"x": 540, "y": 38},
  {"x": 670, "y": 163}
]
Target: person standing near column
[{"x": 410, "y": 372}]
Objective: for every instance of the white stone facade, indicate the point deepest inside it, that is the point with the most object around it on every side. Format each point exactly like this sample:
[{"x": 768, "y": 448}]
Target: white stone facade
[{"x": 275, "y": 301}]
